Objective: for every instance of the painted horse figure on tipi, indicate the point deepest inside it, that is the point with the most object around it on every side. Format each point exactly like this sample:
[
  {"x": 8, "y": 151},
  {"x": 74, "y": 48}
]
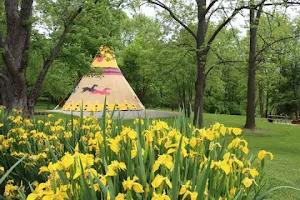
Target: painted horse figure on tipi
[
  {"x": 89, "y": 89},
  {"x": 105, "y": 91}
]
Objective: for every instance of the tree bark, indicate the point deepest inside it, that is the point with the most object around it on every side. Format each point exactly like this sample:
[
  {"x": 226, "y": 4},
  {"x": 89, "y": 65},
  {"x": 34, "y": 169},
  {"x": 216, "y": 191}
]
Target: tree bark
[
  {"x": 261, "y": 100},
  {"x": 15, "y": 57},
  {"x": 199, "y": 97},
  {"x": 201, "y": 60},
  {"x": 178, "y": 89},
  {"x": 184, "y": 100},
  {"x": 190, "y": 100},
  {"x": 254, "y": 21},
  {"x": 267, "y": 103}
]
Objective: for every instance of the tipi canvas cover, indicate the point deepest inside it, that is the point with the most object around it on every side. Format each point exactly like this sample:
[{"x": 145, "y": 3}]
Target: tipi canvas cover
[{"x": 92, "y": 89}]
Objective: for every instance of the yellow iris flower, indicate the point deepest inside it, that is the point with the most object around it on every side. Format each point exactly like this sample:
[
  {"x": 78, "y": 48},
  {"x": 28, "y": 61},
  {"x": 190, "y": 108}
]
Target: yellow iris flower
[
  {"x": 160, "y": 196},
  {"x": 158, "y": 180},
  {"x": 262, "y": 154},
  {"x": 130, "y": 184},
  {"x": 165, "y": 160}
]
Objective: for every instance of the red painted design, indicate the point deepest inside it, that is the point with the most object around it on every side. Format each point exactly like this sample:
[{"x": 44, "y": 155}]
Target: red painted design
[
  {"x": 105, "y": 91},
  {"x": 113, "y": 74},
  {"x": 100, "y": 59}
]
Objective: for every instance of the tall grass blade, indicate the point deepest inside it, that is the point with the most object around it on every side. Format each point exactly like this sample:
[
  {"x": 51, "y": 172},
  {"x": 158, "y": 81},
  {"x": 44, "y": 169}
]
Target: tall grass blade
[
  {"x": 176, "y": 172},
  {"x": 276, "y": 188},
  {"x": 10, "y": 169},
  {"x": 140, "y": 157},
  {"x": 201, "y": 184},
  {"x": 238, "y": 195},
  {"x": 102, "y": 186}
]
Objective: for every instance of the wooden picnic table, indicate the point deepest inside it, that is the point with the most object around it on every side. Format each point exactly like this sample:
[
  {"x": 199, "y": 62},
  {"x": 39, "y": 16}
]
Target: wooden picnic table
[{"x": 278, "y": 118}]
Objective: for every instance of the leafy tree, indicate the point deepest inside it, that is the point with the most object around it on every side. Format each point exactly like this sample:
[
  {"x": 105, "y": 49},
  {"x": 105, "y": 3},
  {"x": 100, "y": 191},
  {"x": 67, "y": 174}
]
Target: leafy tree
[
  {"x": 98, "y": 24},
  {"x": 203, "y": 41},
  {"x": 274, "y": 31},
  {"x": 72, "y": 50},
  {"x": 138, "y": 60},
  {"x": 15, "y": 47}
]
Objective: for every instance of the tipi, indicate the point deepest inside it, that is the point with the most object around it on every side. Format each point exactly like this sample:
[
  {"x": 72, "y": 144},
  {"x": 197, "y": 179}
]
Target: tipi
[{"x": 92, "y": 89}]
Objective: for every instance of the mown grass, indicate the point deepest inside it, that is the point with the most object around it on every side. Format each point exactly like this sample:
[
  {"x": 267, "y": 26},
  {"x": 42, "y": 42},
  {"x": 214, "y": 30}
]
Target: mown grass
[
  {"x": 282, "y": 140},
  {"x": 44, "y": 105}
]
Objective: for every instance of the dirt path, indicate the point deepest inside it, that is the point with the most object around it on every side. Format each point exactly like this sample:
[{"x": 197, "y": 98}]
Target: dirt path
[{"x": 125, "y": 114}]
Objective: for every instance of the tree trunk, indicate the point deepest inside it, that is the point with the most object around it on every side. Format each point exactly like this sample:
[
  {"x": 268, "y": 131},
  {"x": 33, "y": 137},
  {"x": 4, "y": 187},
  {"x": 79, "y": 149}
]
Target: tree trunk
[
  {"x": 14, "y": 93},
  {"x": 201, "y": 60},
  {"x": 178, "y": 90},
  {"x": 161, "y": 97},
  {"x": 199, "y": 97},
  {"x": 250, "y": 113},
  {"x": 260, "y": 99},
  {"x": 295, "y": 88},
  {"x": 267, "y": 101},
  {"x": 190, "y": 101},
  {"x": 15, "y": 54},
  {"x": 184, "y": 98}
]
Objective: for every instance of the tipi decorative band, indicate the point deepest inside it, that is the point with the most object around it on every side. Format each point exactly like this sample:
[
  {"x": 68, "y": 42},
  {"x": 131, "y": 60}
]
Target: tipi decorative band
[
  {"x": 112, "y": 74},
  {"x": 112, "y": 71}
]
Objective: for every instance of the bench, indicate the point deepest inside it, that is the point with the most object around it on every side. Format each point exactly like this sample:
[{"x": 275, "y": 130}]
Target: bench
[
  {"x": 40, "y": 113},
  {"x": 279, "y": 118}
]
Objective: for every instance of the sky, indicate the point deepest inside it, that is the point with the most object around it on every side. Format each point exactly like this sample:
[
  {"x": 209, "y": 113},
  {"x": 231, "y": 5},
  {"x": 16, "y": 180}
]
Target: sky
[{"x": 240, "y": 21}]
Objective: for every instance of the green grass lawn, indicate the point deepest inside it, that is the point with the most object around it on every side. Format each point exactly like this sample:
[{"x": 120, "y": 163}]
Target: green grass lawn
[
  {"x": 43, "y": 105},
  {"x": 282, "y": 140}
]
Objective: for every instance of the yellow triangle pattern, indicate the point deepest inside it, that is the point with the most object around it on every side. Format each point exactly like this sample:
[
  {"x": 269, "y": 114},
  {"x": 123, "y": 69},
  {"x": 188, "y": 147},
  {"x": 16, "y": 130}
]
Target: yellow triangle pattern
[{"x": 106, "y": 58}]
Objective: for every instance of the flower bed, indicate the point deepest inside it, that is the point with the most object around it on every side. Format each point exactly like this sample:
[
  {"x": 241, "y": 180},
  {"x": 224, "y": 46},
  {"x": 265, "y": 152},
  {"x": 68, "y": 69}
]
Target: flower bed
[{"x": 90, "y": 158}]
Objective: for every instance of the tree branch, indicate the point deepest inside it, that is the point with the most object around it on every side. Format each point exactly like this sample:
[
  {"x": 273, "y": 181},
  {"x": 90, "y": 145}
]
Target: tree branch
[
  {"x": 26, "y": 8},
  {"x": 174, "y": 68},
  {"x": 25, "y": 13},
  {"x": 212, "y": 3},
  {"x": 38, "y": 85},
  {"x": 258, "y": 15},
  {"x": 177, "y": 63},
  {"x": 12, "y": 16},
  {"x": 212, "y": 12},
  {"x": 276, "y": 41},
  {"x": 14, "y": 33},
  {"x": 222, "y": 62},
  {"x": 212, "y": 38},
  {"x": 8, "y": 58},
  {"x": 263, "y": 39},
  {"x": 184, "y": 44},
  {"x": 284, "y": 2},
  {"x": 225, "y": 22},
  {"x": 12, "y": 12},
  {"x": 158, "y": 3},
  {"x": 233, "y": 31}
]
